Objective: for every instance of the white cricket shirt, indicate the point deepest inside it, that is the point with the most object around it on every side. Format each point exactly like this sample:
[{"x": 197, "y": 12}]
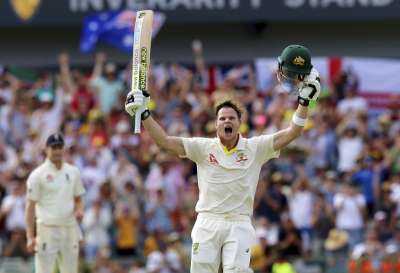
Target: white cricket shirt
[
  {"x": 54, "y": 191},
  {"x": 228, "y": 179}
]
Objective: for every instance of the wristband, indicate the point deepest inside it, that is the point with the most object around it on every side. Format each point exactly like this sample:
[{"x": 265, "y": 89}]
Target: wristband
[
  {"x": 298, "y": 120},
  {"x": 145, "y": 114},
  {"x": 303, "y": 101}
]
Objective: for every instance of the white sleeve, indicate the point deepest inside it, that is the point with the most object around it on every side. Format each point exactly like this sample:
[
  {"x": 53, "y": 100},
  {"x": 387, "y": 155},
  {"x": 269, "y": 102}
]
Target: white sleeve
[
  {"x": 265, "y": 148},
  {"x": 337, "y": 201},
  {"x": 195, "y": 148},
  {"x": 361, "y": 201},
  {"x": 7, "y": 203},
  {"x": 78, "y": 186},
  {"x": 33, "y": 187}
]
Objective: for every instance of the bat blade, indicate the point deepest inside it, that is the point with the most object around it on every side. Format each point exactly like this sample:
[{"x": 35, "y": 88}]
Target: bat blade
[{"x": 141, "y": 55}]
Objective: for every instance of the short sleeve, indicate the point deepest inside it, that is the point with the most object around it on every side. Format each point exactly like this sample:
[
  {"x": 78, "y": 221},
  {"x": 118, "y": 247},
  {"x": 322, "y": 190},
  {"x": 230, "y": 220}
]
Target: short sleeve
[
  {"x": 78, "y": 186},
  {"x": 195, "y": 148},
  {"x": 7, "y": 202},
  {"x": 96, "y": 82},
  {"x": 265, "y": 148},
  {"x": 361, "y": 200},
  {"x": 337, "y": 201},
  {"x": 33, "y": 187}
]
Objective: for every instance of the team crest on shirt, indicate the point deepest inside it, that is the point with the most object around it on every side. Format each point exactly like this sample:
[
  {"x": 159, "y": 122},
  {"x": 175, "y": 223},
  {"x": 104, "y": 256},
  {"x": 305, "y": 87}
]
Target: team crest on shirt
[
  {"x": 212, "y": 159},
  {"x": 241, "y": 157},
  {"x": 67, "y": 177},
  {"x": 195, "y": 248},
  {"x": 49, "y": 178}
]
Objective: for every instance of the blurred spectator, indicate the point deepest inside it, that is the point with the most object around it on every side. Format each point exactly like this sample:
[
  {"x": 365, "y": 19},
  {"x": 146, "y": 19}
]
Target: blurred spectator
[
  {"x": 16, "y": 247},
  {"x": 157, "y": 213},
  {"x": 351, "y": 103},
  {"x": 122, "y": 170},
  {"x": 368, "y": 181},
  {"x": 350, "y": 145},
  {"x": 13, "y": 207},
  {"x": 126, "y": 219},
  {"x": 290, "y": 242},
  {"x": 95, "y": 223},
  {"x": 302, "y": 210},
  {"x": 107, "y": 87},
  {"x": 350, "y": 208},
  {"x": 371, "y": 249},
  {"x": 8, "y": 157},
  {"x": 336, "y": 247},
  {"x": 270, "y": 202}
]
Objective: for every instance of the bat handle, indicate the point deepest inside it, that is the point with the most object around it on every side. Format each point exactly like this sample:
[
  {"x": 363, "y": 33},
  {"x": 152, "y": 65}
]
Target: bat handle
[{"x": 137, "y": 121}]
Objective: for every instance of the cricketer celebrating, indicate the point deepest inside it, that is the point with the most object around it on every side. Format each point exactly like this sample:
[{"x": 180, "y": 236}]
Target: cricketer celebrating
[
  {"x": 228, "y": 167},
  {"x": 54, "y": 196}
]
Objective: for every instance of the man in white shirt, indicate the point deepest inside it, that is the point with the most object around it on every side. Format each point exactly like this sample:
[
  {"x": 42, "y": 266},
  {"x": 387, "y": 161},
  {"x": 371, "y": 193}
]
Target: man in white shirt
[
  {"x": 54, "y": 192},
  {"x": 350, "y": 207},
  {"x": 228, "y": 167}
]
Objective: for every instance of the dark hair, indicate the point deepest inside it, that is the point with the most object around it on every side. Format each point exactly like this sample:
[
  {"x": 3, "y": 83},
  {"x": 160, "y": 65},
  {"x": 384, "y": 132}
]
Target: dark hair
[{"x": 230, "y": 104}]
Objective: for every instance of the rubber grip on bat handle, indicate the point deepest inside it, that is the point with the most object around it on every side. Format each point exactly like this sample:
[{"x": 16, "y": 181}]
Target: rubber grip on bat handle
[{"x": 138, "y": 120}]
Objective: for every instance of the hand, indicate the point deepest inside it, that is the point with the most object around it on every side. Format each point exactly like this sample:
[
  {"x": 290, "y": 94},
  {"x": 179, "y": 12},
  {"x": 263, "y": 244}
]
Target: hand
[
  {"x": 100, "y": 57},
  {"x": 197, "y": 47},
  {"x": 136, "y": 102},
  {"x": 311, "y": 87},
  {"x": 63, "y": 58},
  {"x": 79, "y": 214},
  {"x": 31, "y": 245}
]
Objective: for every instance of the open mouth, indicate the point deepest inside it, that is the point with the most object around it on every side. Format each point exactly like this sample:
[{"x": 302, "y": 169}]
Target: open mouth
[{"x": 228, "y": 130}]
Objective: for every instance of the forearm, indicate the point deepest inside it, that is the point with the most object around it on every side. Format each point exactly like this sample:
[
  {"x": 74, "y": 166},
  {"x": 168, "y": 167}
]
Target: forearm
[
  {"x": 284, "y": 137},
  {"x": 295, "y": 129},
  {"x": 30, "y": 221},
  {"x": 156, "y": 132},
  {"x": 78, "y": 204}
]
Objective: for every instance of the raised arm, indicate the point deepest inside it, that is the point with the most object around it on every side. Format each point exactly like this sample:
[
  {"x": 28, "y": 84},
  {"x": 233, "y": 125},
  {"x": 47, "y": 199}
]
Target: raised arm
[
  {"x": 309, "y": 90},
  {"x": 99, "y": 60},
  {"x": 171, "y": 144},
  {"x": 285, "y": 136},
  {"x": 136, "y": 103},
  {"x": 65, "y": 72}
]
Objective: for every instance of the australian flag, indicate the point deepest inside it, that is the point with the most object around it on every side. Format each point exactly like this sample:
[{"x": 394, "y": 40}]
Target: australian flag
[{"x": 115, "y": 28}]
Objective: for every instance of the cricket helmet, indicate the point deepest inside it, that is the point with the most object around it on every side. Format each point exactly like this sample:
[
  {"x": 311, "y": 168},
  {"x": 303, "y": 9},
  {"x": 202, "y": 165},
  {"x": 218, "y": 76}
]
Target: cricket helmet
[{"x": 294, "y": 63}]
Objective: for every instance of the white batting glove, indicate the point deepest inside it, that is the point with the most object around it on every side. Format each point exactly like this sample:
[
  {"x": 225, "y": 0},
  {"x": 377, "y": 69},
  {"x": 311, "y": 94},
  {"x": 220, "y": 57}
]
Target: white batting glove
[
  {"x": 136, "y": 102},
  {"x": 310, "y": 89}
]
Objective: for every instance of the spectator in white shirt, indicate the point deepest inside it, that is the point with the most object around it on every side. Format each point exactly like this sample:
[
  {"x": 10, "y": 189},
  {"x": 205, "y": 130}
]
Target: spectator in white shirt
[
  {"x": 350, "y": 207},
  {"x": 301, "y": 210},
  {"x": 95, "y": 223},
  {"x": 350, "y": 145},
  {"x": 13, "y": 207}
]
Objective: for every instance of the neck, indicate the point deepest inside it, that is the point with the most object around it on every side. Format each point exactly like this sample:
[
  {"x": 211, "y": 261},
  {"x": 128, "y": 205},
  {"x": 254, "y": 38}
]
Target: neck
[
  {"x": 231, "y": 143},
  {"x": 57, "y": 163}
]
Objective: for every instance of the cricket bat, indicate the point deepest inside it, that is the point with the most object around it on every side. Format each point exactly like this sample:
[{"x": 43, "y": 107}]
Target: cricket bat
[{"x": 141, "y": 56}]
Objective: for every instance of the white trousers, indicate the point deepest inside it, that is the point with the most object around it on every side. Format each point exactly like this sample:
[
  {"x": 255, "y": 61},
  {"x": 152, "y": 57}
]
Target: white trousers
[
  {"x": 57, "y": 245},
  {"x": 222, "y": 240}
]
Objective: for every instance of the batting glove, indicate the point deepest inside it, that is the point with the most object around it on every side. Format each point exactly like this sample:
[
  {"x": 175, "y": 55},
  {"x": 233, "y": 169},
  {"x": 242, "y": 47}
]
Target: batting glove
[
  {"x": 310, "y": 88},
  {"x": 136, "y": 102}
]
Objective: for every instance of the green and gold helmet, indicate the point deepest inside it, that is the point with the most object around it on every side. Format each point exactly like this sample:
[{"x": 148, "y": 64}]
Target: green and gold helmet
[{"x": 294, "y": 63}]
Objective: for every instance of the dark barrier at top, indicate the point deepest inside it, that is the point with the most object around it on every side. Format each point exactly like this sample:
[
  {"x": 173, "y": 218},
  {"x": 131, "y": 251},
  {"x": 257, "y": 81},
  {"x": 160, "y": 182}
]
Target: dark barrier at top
[{"x": 71, "y": 12}]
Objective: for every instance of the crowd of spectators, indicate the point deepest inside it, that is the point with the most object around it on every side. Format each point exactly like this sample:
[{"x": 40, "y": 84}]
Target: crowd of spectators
[{"x": 332, "y": 198}]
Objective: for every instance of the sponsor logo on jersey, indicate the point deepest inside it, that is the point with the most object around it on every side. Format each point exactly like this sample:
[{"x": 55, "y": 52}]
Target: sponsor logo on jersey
[
  {"x": 49, "y": 178},
  {"x": 212, "y": 159}
]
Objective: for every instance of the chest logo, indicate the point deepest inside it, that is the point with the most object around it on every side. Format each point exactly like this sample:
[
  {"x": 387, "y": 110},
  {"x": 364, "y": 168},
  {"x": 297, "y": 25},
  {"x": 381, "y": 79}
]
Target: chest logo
[
  {"x": 241, "y": 157},
  {"x": 212, "y": 159},
  {"x": 49, "y": 178}
]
